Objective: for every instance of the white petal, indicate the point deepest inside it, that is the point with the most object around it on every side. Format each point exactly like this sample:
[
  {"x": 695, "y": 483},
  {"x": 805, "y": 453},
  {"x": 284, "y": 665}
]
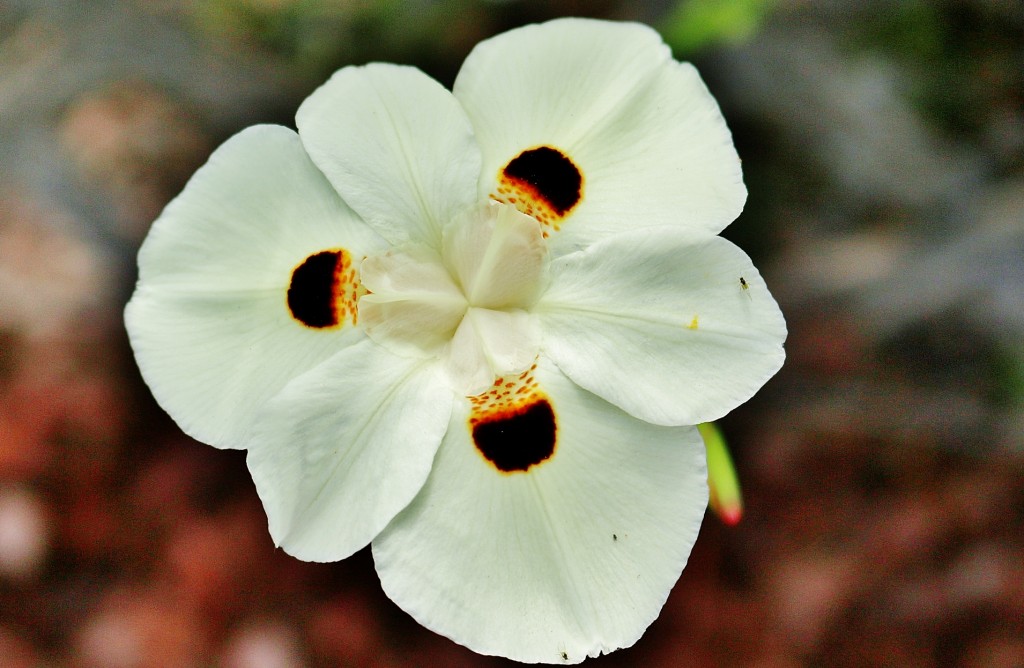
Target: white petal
[
  {"x": 642, "y": 130},
  {"x": 510, "y": 339},
  {"x": 414, "y": 306},
  {"x": 345, "y": 447},
  {"x": 498, "y": 255},
  {"x": 209, "y": 322},
  {"x": 672, "y": 330},
  {"x": 396, "y": 145},
  {"x": 488, "y": 344},
  {"x": 570, "y": 558},
  {"x": 465, "y": 360}
]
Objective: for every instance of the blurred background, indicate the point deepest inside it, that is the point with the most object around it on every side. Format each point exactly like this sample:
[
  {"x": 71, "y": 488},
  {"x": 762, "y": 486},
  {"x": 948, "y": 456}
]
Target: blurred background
[{"x": 883, "y": 468}]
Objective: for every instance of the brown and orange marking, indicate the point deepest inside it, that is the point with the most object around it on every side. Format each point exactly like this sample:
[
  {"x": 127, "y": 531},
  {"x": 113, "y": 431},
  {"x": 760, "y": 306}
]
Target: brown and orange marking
[
  {"x": 542, "y": 182},
  {"x": 513, "y": 424},
  {"x": 324, "y": 290}
]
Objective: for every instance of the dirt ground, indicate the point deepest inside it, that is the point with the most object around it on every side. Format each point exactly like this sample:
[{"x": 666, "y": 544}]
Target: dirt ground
[{"x": 882, "y": 469}]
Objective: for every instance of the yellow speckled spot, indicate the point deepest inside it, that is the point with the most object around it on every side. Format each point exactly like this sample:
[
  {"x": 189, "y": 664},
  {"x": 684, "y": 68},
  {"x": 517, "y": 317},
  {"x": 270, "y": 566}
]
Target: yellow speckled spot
[{"x": 693, "y": 323}]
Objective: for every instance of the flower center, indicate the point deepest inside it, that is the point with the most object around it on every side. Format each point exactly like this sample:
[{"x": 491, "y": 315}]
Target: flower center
[{"x": 470, "y": 304}]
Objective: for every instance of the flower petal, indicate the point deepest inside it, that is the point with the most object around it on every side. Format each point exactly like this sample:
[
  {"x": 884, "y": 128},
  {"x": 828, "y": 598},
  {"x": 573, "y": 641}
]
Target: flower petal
[
  {"x": 593, "y": 128},
  {"x": 498, "y": 255},
  {"x": 240, "y": 284},
  {"x": 345, "y": 447},
  {"x": 413, "y": 307},
  {"x": 553, "y": 558},
  {"x": 488, "y": 344},
  {"x": 396, "y": 145},
  {"x": 670, "y": 329}
]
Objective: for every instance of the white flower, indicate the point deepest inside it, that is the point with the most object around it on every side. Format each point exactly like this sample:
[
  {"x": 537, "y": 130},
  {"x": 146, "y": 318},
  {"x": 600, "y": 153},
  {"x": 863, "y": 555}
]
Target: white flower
[{"x": 474, "y": 330}]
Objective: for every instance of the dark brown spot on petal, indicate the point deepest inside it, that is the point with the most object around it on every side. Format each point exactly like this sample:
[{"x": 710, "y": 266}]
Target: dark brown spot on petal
[
  {"x": 542, "y": 182},
  {"x": 323, "y": 290},
  {"x": 516, "y": 439},
  {"x": 513, "y": 424}
]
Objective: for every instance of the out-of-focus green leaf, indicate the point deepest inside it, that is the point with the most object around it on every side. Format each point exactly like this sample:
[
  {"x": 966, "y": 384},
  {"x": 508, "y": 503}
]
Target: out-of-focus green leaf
[{"x": 697, "y": 24}]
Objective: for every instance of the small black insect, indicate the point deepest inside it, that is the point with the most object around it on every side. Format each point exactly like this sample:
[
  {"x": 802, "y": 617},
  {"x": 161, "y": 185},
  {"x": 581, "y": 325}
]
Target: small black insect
[
  {"x": 565, "y": 657},
  {"x": 745, "y": 286},
  {"x": 615, "y": 536}
]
